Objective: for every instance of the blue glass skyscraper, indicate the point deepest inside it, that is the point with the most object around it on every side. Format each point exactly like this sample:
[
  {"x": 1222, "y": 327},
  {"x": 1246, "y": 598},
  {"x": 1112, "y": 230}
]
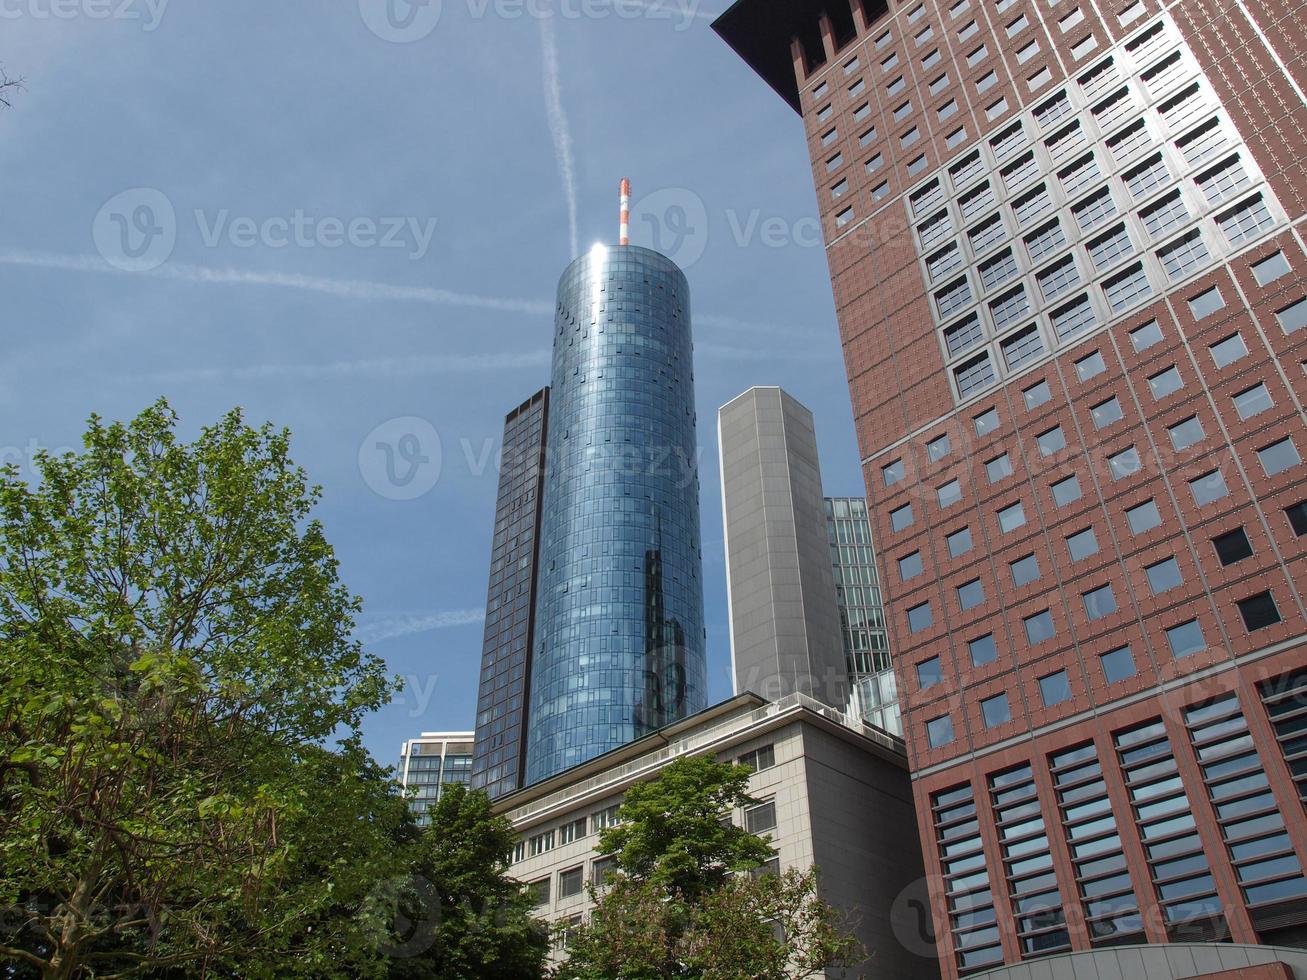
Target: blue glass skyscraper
[{"x": 619, "y": 639}]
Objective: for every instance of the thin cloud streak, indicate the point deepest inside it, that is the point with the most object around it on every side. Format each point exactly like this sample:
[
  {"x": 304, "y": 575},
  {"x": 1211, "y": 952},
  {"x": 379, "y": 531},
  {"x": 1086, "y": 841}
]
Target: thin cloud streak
[
  {"x": 392, "y": 627},
  {"x": 559, "y": 129},
  {"x": 360, "y": 289}
]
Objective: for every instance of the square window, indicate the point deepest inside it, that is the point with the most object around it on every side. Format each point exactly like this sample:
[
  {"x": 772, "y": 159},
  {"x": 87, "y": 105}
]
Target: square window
[
  {"x": 930, "y": 672},
  {"x": 1105, "y": 413},
  {"x": 995, "y": 710},
  {"x": 949, "y": 494},
  {"x": 971, "y": 594},
  {"x": 1232, "y": 546},
  {"x": 1143, "y": 517},
  {"x": 761, "y": 818},
  {"x": 1206, "y": 303},
  {"x": 1125, "y": 463},
  {"x": 1229, "y": 350},
  {"x": 1278, "y": 457},
  {"x": 1142, "y": 338},
  {"x": 1186, "y": 639},
  {"x": 1270, "y": 268},
  {"x": 1165, "y": 383},
  {"x": 844, "y": 217},
  {"x": 892, "y": 472},
  {"x": 1066, "y": 491},
  {"x": 938, "y": 448},
  {"x": 939, "y": 84},
  {"x": 1051, "y": 441},
  {"x": 986, "y": 422},
  {"x": 1163, "y": 576},
  {"x": 901, "y": 517},
  {"x": 974, "y": 375},
  {"x": 983, "y": 650},
  {"x": 998, "y": 468},
  {"x": 1099, "y": 602},
  {"x": 1294, "y": 317},
  {"x": 1022, "y": 346},
  {"x": 1297, "y": 515},
  {"x": 1185, "y": 434},
  {"x": 920, "y": 618},
  {"x": 1037, "y": 395},
  {"x": 939, "y": 731},
  {"x": 1040, "y": 78},
  {"x": 896, "y": 86},
  {"x": 1090, "y": 367},
  {"x": 1253, "y": 401},
  {"x": 1258, "y": 611},
  {"x": 1044, "y": 241},
  {"x": 1208, "y": 487},
  {"x": 1039, "y": 627},
  {"x": 1118, "y": 664},
  {"x": 570, "y": 882},
  {"x": 1011, "y": 518},
  {"x": 1082, "y": 544},
  {"x": 1024, "y": 570},
  {"x": 1055, "y": 688},
  {"x": 959, "y": 542},
  {"x": 910, "y": 566}
]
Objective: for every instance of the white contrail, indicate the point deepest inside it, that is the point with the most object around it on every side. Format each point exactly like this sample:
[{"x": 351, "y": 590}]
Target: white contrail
[
  {"x": 391, "y": 627},
  {"x": 558, "y": 127},
  {"x": 361, "y": 289},
  {"x": 383, "y": 367}
]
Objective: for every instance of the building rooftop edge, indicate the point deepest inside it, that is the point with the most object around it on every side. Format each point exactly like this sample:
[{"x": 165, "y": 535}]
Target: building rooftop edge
[{"x": 759, "y": 31}]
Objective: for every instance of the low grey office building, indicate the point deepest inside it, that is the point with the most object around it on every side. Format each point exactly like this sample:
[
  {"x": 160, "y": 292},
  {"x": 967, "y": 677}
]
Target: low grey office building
[{"x": 832, "y": 791}]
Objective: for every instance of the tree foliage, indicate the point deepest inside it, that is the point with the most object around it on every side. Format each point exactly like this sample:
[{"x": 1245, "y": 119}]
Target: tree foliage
[
  {"x": 175, "y": 648},
  {"x": 690, "y": 899},
  {"x": 467, "y": 918}
]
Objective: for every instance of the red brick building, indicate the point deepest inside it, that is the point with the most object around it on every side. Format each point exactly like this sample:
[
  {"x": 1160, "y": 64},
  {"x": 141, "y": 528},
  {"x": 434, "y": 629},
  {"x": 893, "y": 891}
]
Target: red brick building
[{"x": 1065, "y": 240}]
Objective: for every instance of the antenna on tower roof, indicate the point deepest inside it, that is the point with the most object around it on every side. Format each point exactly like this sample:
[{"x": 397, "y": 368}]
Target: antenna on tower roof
[{"x": 624, "y": 230}]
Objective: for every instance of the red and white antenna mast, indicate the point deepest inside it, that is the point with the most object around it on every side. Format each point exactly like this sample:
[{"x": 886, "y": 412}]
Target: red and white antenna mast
[{"x": 624, "y": 230}]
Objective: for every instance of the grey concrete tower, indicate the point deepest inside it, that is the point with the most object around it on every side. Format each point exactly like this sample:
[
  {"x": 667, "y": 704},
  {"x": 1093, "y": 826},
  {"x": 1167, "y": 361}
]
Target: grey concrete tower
[{"x": 785, "y": 624}]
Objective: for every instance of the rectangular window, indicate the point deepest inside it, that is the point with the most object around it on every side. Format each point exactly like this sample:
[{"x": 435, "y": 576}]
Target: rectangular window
[
  {"x": 1027, "y": 52},
  {"x": 939, "y": 731},
  {"x": 1105, "y": 413},
  {"x": 759, "y": 759},
  {"x": 844, "y": 217},
  {"x": 986, "y": 422},
  {"x": 1094, "y": 210},
  {"x": 896, "y": 86},
  {"x": 1059, "y": 279},
  {"x": 761, "y": 818},
  {"x": 953, "y": 297},
  {"x": 1036, "y": 395},
  {"x": 1186, "y": 639},
  {"x": 1052, "y": 441},
  {"x": 1068, "y": 141},
  {"x": 892, "y": 472},
  {"x": 995, "y": 710},
  {"x": 1130, "y": 141},
  {"x": 1127, "y": 288},
  {"x": 999, "y": 468},
  {"x": 1162, "y": 75},
  {"x": 1012, "y": 517},
  {"x": 840, "y": 188},
  {"x": 997, "y": 271},
  {"x": 903, "y": 111},
  {"x": 976, "y": 56},
  {"x": 920, "y": 618},
  {"x": 1203, "y": 143},
  {"x": 971, "y": 594},
  {"x": 967, "y": 169},
  {"x": 1045, "y": 240},
  {"x": 947, "y": 109},
  {"x": 1143, "y": 517},
  {"x": 1224, "y": 181},
  {"x": 571, "y": 882},
  {"x": 975, "y": 201},
  {"x": 910, "y": 566},
  {"x": 1293, "y": 317},
  {"x": 1147, "y": 177},
  {"x": 1009, "y": 307},
  {"x": 1066, "y": 491},
  {"x": 974, "y": 375},
  {"x": 1125, "y": 463},
  {"x": 987, "y": 234},
  {"x": 943, "y": 262},
  {"x": 1039, "y": 627},
  {"x": 949, "y": 494},
  {"x": 901, "y": 517},
  {"x": 1185, "y": 434},
  {"x": 1232, "y": 546},
  {"x": 933, "y": 230},
  {"x": 1297, "y": 515},
  {"x": 1165, "y": 383},
  {"x": 1032, "y": 204},
  {"x": 1082, "y": 544},
  {"x": 1270, "y": 268},
  {"x": 959, "y": 542},
  {"x": 1091, "y": 366},
  {"x": 1278, "y": 457},
  {"x": 1253, "y": 401},
  {"x": 1118, "y": 664},
  {"x": 929, "y": 673},
  {"x": 1206, "y": 303},
  {"x": 1074, "y": 318},
  {"x": 1163, "y": 576},
  {"x": 573, "y": 831},
  {"x": 1246, "y": 221},
  {"x": 1052, "y": 110},
  {"x": 1079, "y": 175},
  {"x": 1024, "y": 570},
  {"x": 963, "y": 335},
  {"x": 983, "y": 650},
  {"x": 1055, "y": 688},
  {"x": 986, "y": 82},
  {"x": 1166, "y": 214},
  {"x": 1142, "y": 338},
  {"x": 1258, "y": 611},
  {"x": 1229, "y": 350},
  {"x": 1082, "y": 48},
  {"x": 1106, "y": 250},
  {"x": 1022, "y": 347},
  {"x": 1021, "y": 170},
  {"x": 931, "y": 60},
  {"x": 1208, "y": 487},
  {"x": 1180, "y": 110},
  {"x": 539, "y": 892}
]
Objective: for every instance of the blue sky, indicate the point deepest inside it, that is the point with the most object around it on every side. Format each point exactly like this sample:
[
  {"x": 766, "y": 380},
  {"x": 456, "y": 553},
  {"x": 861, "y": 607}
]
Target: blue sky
[{"x": 350, "y": 219}]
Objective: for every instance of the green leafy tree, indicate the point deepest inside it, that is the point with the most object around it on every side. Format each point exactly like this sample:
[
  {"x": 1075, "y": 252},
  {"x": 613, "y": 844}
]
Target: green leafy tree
[
  {"x": 672, "y": 833},
  {"x": 175, "y": 651},
  {"x": 689, "y": 899},
  {"x": 468, "y": 919}
]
